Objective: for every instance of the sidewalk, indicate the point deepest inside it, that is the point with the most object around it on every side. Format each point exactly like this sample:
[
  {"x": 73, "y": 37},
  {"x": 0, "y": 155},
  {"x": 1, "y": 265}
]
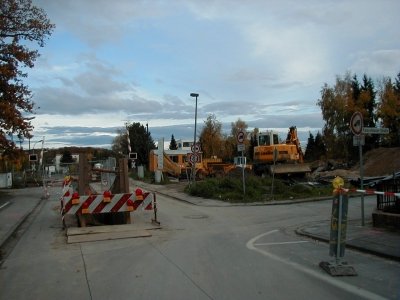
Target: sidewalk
[{"x": 377, "y": 241}]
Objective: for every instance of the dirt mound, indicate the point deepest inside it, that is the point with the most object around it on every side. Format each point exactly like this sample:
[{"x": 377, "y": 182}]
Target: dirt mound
[
  {"x": 381, "y": 161},
  {"x": 377, "y": 162}
]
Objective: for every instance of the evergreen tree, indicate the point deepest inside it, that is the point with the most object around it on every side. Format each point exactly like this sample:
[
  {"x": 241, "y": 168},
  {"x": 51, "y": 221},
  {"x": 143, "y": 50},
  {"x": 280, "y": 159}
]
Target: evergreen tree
[
  {"x": 173, "y": 145},
  {"x": 66, "y": 158},
  {"x": 319, "y": 147},
  {"x": 368, "y": 107},
  {"x": 309, "y": 154}
]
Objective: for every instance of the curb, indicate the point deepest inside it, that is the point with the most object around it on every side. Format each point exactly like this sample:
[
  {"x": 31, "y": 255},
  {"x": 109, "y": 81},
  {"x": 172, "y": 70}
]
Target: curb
[{"x": 300, "y": 231}]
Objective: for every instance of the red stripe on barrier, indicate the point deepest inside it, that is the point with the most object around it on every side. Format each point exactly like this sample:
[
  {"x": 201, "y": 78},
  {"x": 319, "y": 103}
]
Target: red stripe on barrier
[
  {"x": 100, "y": 207},
  {"x": 120, "y": 202},
  {"x": 88, "y": 201}
]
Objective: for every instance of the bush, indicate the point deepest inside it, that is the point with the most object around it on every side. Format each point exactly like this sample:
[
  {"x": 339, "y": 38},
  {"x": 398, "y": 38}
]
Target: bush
[{"x": 257, "y": 189}]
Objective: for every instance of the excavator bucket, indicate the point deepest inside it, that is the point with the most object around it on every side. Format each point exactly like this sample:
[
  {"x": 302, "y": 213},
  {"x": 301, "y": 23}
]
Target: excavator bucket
[{"x": 290, "y": 169}]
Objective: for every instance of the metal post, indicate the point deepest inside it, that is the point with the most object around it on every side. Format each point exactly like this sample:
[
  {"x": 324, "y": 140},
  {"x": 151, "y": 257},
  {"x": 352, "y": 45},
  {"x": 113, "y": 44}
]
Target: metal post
[
  {"x": 244, "y": 185},
  {"x": 362, "y": 182},
  {"x": 339, "y": 228},
  {"x": 194, "y": 138}
]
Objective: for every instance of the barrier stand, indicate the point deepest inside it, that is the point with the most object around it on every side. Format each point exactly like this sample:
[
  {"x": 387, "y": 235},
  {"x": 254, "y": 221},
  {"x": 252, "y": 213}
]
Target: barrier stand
[
  {"x": 155, "y": 210},
  {"x": 338, "y": 233}
]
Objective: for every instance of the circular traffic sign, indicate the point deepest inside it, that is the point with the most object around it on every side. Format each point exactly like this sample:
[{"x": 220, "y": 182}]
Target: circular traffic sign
[
  {"x": 356, "y": 123},
  {"x": 194, "y": 158},
  {"x": 240, "y": 137},
  {"x": 195, "y": 148}
]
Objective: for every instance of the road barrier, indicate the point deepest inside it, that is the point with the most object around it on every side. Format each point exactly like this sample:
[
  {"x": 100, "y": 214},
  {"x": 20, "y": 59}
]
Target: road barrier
[
  {"x": 74, "y": 204},
  {"x": 368, "y": 192}
]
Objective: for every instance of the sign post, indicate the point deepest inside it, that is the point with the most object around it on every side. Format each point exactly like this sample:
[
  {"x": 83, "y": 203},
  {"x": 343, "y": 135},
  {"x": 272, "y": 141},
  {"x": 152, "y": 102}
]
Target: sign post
[
  {"x": 194, "y": 157},
  {"x": 356, "y": 126},
  {"x": 240, "y": 139}
]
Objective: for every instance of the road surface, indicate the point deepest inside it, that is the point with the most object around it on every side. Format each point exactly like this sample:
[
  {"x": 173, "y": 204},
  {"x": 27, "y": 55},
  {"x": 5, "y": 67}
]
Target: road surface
[{"x": 249, "y": 252}]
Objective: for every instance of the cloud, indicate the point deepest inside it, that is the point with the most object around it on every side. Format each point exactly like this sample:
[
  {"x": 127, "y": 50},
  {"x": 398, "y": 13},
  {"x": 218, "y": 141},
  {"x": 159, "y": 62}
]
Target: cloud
[
  {"x": 262, "y": 61},
  {"x": 378, "y": 62}
]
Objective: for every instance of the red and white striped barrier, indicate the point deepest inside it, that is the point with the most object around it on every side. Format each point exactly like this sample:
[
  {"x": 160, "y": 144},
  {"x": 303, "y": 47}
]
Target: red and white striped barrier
[
  {"x": 369, "y": 192},
  {"x": 105, "y": 203}
]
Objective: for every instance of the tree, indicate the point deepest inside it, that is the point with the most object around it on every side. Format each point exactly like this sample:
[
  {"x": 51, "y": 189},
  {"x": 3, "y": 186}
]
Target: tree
[
  {"x": 21, "y": 23},
  {"x": 367, "y": 105},
  {"x": 253, "y": 142},
  {"x": 211, "y": 137},
  {"x": 140, "y": 140},
  {"x": 319, "y": 147},
  {"x": 67, "y": 158},
  {"x": 236, "y": 127},
  {"x": 389, "y": 110},
  {"x": 172, "y": 144},
  {"x": 309, "y": 153},
  {"x": 337, "y": 106}
]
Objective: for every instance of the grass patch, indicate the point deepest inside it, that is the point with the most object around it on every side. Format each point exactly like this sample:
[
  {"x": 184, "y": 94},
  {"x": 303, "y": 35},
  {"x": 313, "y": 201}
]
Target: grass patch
[{"x": 257, "y": 189}]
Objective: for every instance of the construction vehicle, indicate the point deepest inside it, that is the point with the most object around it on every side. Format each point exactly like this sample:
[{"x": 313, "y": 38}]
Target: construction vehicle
[
  {"x": 282, "y": 158},
  {"x": 175, "y": 164}
]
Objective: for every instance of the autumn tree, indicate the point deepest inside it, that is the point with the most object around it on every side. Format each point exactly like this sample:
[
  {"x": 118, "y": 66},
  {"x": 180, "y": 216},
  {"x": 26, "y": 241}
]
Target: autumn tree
[
  {"x": 211, "y": 138},
  {"x": 172, "y": 144},
  {"x": 389, "y": 110},
  {"x": 337, "y": 106},
  {"x": 366, "y": 104},
  {"x": 21, "y": 24}
]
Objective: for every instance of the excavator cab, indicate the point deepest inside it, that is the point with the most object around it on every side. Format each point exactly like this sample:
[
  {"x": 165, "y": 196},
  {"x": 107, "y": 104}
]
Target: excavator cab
[
  {"x": 268, "y": 138},
  {"x": 273, "y": 156}
]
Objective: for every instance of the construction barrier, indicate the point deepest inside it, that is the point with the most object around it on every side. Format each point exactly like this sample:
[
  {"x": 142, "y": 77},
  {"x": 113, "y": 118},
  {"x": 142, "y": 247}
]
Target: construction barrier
[
  {"x": 368, "y": 192},
  {"x": 74, "y": 204}
]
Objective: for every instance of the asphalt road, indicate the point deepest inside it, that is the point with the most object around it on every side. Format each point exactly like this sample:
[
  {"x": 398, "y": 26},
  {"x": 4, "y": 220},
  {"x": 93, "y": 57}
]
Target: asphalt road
[{"x": 200, "y": 253}]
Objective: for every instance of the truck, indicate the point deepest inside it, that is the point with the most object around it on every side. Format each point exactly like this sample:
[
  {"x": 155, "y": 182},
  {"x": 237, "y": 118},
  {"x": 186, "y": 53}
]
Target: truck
[{"x": 272, "y": 156}]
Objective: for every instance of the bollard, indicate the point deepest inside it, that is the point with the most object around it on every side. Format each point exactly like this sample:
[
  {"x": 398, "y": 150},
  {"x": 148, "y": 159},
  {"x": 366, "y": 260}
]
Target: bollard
[{"x": 337, "y": 241}]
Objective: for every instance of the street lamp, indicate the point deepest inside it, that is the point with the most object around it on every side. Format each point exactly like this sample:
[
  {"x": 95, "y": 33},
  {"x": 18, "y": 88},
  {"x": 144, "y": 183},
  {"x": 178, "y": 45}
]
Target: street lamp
[{"x": 194, "y": 139}]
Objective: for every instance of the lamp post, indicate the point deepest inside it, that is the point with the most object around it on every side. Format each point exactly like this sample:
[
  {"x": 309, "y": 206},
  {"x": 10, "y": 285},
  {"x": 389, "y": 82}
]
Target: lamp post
[{"x": 195, "y": 95}]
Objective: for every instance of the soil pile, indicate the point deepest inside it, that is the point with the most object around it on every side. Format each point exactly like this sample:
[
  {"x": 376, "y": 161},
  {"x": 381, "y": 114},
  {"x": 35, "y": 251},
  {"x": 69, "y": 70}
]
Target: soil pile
[
  {"x": 381, "y": 161},
  {"x": 377, "y": 162}
]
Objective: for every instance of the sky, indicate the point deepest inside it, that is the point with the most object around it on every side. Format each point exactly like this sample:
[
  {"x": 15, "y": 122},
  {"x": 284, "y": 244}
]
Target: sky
[{"x": 265, "y": 62}]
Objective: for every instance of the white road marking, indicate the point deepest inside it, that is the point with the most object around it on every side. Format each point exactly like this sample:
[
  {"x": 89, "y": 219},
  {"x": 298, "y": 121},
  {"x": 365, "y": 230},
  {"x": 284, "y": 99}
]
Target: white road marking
[
  {"x": 5, "y": 204},
  {"x": 251, "y": 245}
]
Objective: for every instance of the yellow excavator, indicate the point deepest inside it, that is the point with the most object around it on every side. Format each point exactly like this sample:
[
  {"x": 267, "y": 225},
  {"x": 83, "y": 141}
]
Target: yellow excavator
[{"x": 282, "y": 158}]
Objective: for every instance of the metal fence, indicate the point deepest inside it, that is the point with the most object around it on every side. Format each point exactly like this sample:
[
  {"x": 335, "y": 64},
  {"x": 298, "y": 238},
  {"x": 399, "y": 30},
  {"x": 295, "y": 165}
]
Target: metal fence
[{"x": 389, "y": 203}]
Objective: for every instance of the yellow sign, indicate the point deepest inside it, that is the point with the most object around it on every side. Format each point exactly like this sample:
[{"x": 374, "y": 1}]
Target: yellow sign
[{"x": 337, "y": 182}]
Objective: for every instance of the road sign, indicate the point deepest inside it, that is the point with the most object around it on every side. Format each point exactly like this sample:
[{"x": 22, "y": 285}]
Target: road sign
[
  {"x": 240, "y": 137},
  {"x": 374, "y": 130},
  {"x": 356, "y": 123},
  {"x": 194, "y": 158},
  {"x": 240, "y": 147},
  {"x": 195, "y": 148}
]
